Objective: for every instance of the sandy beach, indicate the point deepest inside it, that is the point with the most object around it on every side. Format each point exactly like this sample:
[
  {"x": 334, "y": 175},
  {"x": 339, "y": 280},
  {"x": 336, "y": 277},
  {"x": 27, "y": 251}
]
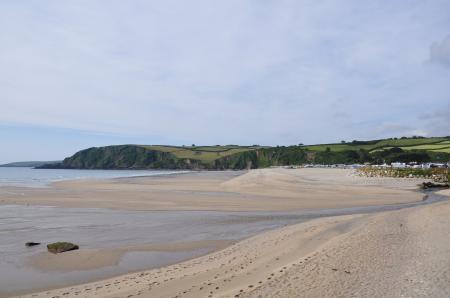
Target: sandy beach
[
  {"x": 257, "y": 190},
  {"x": 402, "y": 253}
]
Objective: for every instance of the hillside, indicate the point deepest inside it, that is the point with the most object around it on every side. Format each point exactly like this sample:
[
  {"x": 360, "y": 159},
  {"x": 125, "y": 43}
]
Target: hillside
[
  {"x": 157, "y": 157},
  {"x": 203, "y": 153},
  {"x": 241, "y": 157}
]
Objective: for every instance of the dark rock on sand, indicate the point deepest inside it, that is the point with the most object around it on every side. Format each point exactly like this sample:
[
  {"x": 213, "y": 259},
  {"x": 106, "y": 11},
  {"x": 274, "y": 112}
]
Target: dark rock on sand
[
  {"x": 59, "y": 247},
  {"x": 28, "y": 244}
]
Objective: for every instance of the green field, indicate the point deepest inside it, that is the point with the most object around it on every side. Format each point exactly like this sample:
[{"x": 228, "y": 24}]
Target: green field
[
  {"x": 437, "y": 147},
  {"x": 438, "y": 144},
  {"x": 446, "y": 150},
  {"x": 210, "y": 154},
  {"x": 203, "y": 153},
  {"x": 434, "y": 147}
]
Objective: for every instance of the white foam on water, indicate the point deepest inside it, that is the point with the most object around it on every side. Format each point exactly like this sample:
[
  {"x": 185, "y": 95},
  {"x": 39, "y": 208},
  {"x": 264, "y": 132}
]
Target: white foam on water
[{"x": 30, "y": 177}]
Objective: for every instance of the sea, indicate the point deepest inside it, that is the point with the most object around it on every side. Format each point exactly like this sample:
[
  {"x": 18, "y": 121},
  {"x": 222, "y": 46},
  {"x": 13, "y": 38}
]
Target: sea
[{"x": 30, "y": 177}]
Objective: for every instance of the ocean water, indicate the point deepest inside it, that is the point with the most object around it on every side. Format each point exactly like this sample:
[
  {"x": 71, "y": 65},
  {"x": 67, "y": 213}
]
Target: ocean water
[{"x": 30, "y": 177}]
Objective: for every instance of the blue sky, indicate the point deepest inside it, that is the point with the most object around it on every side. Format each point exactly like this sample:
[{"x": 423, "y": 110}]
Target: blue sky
[{"x": 76, "y": 74}]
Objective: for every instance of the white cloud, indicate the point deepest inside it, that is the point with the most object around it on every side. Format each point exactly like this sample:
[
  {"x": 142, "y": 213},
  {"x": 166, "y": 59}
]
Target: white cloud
[
  {"x": 222, "y": 72},
  {"x": 440, "y": 52}
]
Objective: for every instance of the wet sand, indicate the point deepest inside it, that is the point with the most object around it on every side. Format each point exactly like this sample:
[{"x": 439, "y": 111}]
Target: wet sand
[
  {"x": 113, "y": 242},
  {"x": 445, "y": 192},
  {"x": 401, "y": 253},
  {"x": 87, "y": 259}
]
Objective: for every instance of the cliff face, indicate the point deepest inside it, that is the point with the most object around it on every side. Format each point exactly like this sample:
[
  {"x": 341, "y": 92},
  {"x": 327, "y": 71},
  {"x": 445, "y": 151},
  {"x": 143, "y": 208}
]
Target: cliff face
[
  {"x": 117, "y": 157},
  {"x": 138, "y": 157},
  {"x": 121, "y": 157}
]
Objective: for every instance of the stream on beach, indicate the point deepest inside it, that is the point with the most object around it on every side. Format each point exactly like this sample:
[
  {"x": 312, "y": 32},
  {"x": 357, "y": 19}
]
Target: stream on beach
[{"x": 93, "y": 228}]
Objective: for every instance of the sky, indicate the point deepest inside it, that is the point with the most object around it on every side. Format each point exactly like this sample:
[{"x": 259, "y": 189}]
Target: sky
[{"x": 77, "y": 74}]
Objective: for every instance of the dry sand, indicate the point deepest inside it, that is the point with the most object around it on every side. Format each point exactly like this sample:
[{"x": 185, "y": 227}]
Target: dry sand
[
  {"x": 404, "y": 253},
  {"x": 257, "y": 190}
]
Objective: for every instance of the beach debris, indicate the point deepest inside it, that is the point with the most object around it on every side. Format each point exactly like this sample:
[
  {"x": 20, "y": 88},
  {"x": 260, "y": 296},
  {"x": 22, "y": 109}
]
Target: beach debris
[
  {"x": 426, "y": 185},
  {"x": 438, "y": 175},
  {"x": 29, "y": 244},
  {"x": 59, "y": 247}
]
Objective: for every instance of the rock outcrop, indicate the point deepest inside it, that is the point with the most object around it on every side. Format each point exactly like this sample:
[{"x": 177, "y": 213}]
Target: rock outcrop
[{"x": 59, "y": 247}]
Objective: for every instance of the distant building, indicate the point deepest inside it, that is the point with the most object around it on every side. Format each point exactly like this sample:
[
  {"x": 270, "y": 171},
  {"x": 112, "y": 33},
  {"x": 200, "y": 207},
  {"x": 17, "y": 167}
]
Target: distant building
[
  {"x": 400, "y": 165},
  {"x": 437, "y": 165}
]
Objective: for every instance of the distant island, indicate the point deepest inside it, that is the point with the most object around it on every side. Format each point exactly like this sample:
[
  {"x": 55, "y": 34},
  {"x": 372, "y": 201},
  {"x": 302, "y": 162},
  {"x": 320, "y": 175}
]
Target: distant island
[
  {"x": 28, "y": 164},
  {"x": 412, "y": 149}
]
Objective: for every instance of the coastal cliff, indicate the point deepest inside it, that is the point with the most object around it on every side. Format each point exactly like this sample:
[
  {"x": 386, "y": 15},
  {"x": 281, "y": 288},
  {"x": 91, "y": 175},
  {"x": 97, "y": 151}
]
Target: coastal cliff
[{"x": 248, "y": 157}]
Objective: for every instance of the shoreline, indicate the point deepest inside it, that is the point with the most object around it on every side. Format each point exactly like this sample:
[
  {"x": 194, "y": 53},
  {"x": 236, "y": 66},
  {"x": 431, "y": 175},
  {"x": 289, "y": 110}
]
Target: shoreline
[{"x": 45, "y": 178}]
